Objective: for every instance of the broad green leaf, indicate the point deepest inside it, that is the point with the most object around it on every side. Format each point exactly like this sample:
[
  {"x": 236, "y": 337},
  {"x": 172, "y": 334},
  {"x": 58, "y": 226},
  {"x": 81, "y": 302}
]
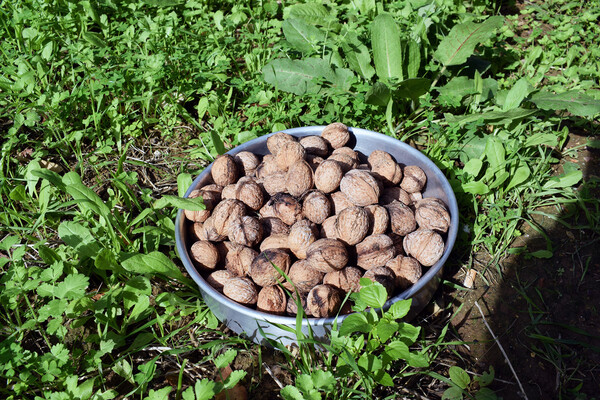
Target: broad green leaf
[
  {"x": 517, "y": 94},
  {"x": 387, "y": 48},
  {"x": 546, "y": 139},
  {"x": 453, "y": 393},
  {"x": 413, "y": 88},
  {"x": 233, "y": 379},
  {"x": 160, "y": 394},
  {"x": 72, "y": 287},
  {"x": 151, "y": 263},
  {"x": 460, "y": 43},
  {"x": 357, "y": 55},
  {"x": 315, "y": 13},
  {"x": 568, "y": 179},
  {"x": 408, "y": 333},
  {"x": 185, "y": 203},
  {"x": 356, "y": 322},
  {"x": 485, "y": 394},
  {"x": 323, "y": 380},
  {"x": 477, "y": 187},
  {"x": 302, "y": 36},
  {"x": 374, "y": 295},
  {"x": 486, "y": 378},
  {"x": 575, "y": 102},
  {"x": 414, "y": 59},
  {"x": 79, "y": 238},
  {"x": 370, "y": 362},
  {"x": 459, "y": 376},
  {"x": 217, "y": 142},
  {"x": 304, "y": 383},
  {"x": 94, "y": 39},
  {"x": 400, "y": 308},
  {"x": 494, "y": 152},
  {"x": 473, "y": 166},
  {"x": 225, "y": 359},
  {"x": 385, "y": 330},
  {"x": 491, "y": 117},
  {"x": 47, "y": 51},
  {"x": 384, "y": 378},
  {"x": 142, "y": 304},
  {"x": 379, "y": 94},
  {"x": 86, "y": 198},
  {"x": 305, "y": 76},
  {"x": 291, "y": 393},
  {"x": 521, "y": 174},
  {"x": 205, "y": 389},
  {"x": 396, "y": 350}
]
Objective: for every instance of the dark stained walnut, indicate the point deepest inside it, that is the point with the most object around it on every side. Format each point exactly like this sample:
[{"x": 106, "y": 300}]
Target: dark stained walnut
[
  {"x": 324, "y": 301},
  {"x": 402, "y": 218},
  {"x": 375, "y": 251},
  {"x": 292, "y": 306},
  {"x": 346, "y": 279},
  {"x": 282, "y": 206},
  {"x": 262, "y": 271},
  {"x": 271, "y": 299}
]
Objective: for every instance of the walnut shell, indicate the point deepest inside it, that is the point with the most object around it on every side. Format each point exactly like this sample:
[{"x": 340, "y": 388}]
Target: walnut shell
[
  {"x": 271, "y": 299},
  {"x": 239, "y": 258},
  {"x": 398, "y": 242},
  {"x": 379, "y": 219},
  {"x": 336, "y": 134},
  {"x": 346, "y": 279},
  {"x": 289, "y": 153},
  {"x": 314, "y": 161},
  {"x": 383, "y": 275},
  {"x": 347, "y": 151},
  {"x": 316, "y": 207},
  {"x": 197, "y": 231},
  {"x": 328, "y": 176},
  {"x": 274, "y": 183},
  {"x": 299, "y": 178},
  {"x": 210, "y": 232},
  {"x": 315, "y": 145},
  {"x": 204, "y": 254},
  {"x": 345, "y": 161},
  {"x": 375, "y": 251},
  {"x": 224, "y": 170},
  {"x": 340, "y": 202},
  {"x": 262, "y": 271},
  {"x": 273, "y": 226},
  {"x": 282, "y": 206},
  {"x": 394, "y": 193},
  {"x": 327, "y": 255},
  {"x": 218, "y": 278},
  {"x": 352, "y": 225},
  {"x": 303, "y": 276},
  {"x": 415, "y": 197},
  {"x": 328, "y": 229},
  {"x": 267, "y": 167},
  {"x": 384, "y": 167},
  {"x": 407, "y": 270},
  {"x": 224, "y": 212},
  {"x": 323, "y": 301},
  {"x": 276, "y": 141},
  {"x": 245, "y": 230},
  {"x": 229, "y": 192},
  {"x": 250, "y": 193},
  {"x": 425, "y": 245},
  {"x": 211, "y": 195},
  {"x": 433, "y": 216},
  {"x": 302, "y": 234},
  {"x": 414, "y": 179},
  {"x": 247, "y": 162},
  {"x": 241, "y": 290},
  {"x": 276, "y": 241},
  {"x": 402, "y": 218},
  {"x": 360, "y": 187},
  {"x": 292, "y": 306}
]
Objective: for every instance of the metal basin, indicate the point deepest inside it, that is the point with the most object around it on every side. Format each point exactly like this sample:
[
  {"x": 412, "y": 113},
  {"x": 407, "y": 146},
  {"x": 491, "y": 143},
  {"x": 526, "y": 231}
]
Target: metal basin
[{"x": 244, "y": 320}]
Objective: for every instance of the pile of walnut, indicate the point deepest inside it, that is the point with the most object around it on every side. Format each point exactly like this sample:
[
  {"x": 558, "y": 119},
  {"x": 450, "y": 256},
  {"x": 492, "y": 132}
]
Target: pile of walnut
[{"x": 321, "y": 217}]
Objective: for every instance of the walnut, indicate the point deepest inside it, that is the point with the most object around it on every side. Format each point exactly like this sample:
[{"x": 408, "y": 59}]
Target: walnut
[
  {"x": 433, "y": 216},
  {"x": 241, "y": 290},
  {"x": 398, "y": 242},
  {"x": 245, "y": 230},
  {"x": 302, "y": 234},
  {"x": 394, "y": 193},
  {"x": 218, "y": 278},
  {"x": 267, "y": 167},
  {"x": 346, "y": 279},
  {"x": 204, "y": 254},
  {"x": 209, "y": 231},
  {"x": 284, "y": 207},
  {"x": 425, "y": 245},
  {"x": 383, "y": 275},
  {"x": 384, "y": 167},
  {"x": 402, "y": 218},
  {"x": 273, "y": 226},
  {"x": 430, "y": 201},
  {"x": 292, "y": 306},
  {"x": 276, "y": 141},
  {"x": 262, "y": 271},
  {"x": 340, "y": 202},
  {"x": 229, "y": 191},
  {"x": 224, "y": 170},
  {"x": 414, "y": 179},
  {"x": 247, "y": 162},
  {"x": 303, "y": 276},
  {"x": 345, "y": 161},
  {"x": 347, "y": 151},
  {"x": 211, "y": 195},
  {"x": 239, "y": 258},
  {"x": 336, "y": 134},
  {"x": 328, "y": 229},
  {"x": 250, "y": 193},
  {"x": 314, "y": 161},
  {"x": 275, "y": 183},
  {"x": 276, "y": 241},
  {"x": 224, "y": 212},
  {"x": 323, "y": 301},
  {"x": 271, "y": 299},
  {"x": 315, "y": 145},
  {"x": 407, "y": 270},
  {"x": 375, "y": 251},
  {"x": 327, "y": 255},
  {"x": 352, "y": 225},
  {"x": 299, "y": 178},
  {"x": 379, "y": 219},
  {"x": 360, "y": 187},
  {"x": 328, "y": 176},
  {"x": 415, "y": 197},
  {"x": 316, "y": 207},
  {"x": 289, "y": 153}
]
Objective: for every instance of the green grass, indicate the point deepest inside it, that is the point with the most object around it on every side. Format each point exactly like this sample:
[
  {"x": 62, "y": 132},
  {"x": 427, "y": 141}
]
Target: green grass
[{"x": 106, "y": 109}]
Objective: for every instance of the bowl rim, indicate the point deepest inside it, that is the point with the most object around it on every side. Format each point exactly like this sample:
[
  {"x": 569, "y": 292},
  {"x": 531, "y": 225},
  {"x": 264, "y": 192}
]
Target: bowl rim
[{"x": 291, "y": 320}]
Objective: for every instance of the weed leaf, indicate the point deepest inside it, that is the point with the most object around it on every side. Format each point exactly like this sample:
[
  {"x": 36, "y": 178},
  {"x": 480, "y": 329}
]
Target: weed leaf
[
  {"x": 373, "y": 295},
  {"x": 314, "y": 13},
  {"x": 575, "y": 102},
  {"x": 485, "y": 394},
  {"x": 460, "y": 43},
  {"x": 356, "y": 322},
  {"x": 291, "y": 393},
  {"x": 413, "y": 88},
  {"x": 379, "y": 94},
  {"x": 94, "y": 39},
  {"x": 357, "y": 56},
  {"x": 302, "y": 36},
  {"x": 304, "y": 76},
  {"x": 323, "y": 380},
  {"x": 151, "y": 263},
  {"x": 387, "y": 48},
  {"x": 494, "y": 152},
  {"x": 400, "y": 308},
  {"x": 79, "y": 238},
  {"x": 475, "y": 187},
  {"x": 521, "y": 174},
  {"x": 73, "y": 287},
  {"x": 565, "y": 180},
  {"x": 492, "y": 117},
  {"x": 453, "y": 393},
  {"x": 516, "y": 94},
  {"x": 459, "y": 377},
  {"x": 414, "y": 59},
  {"x": 194, "y": 204}
]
